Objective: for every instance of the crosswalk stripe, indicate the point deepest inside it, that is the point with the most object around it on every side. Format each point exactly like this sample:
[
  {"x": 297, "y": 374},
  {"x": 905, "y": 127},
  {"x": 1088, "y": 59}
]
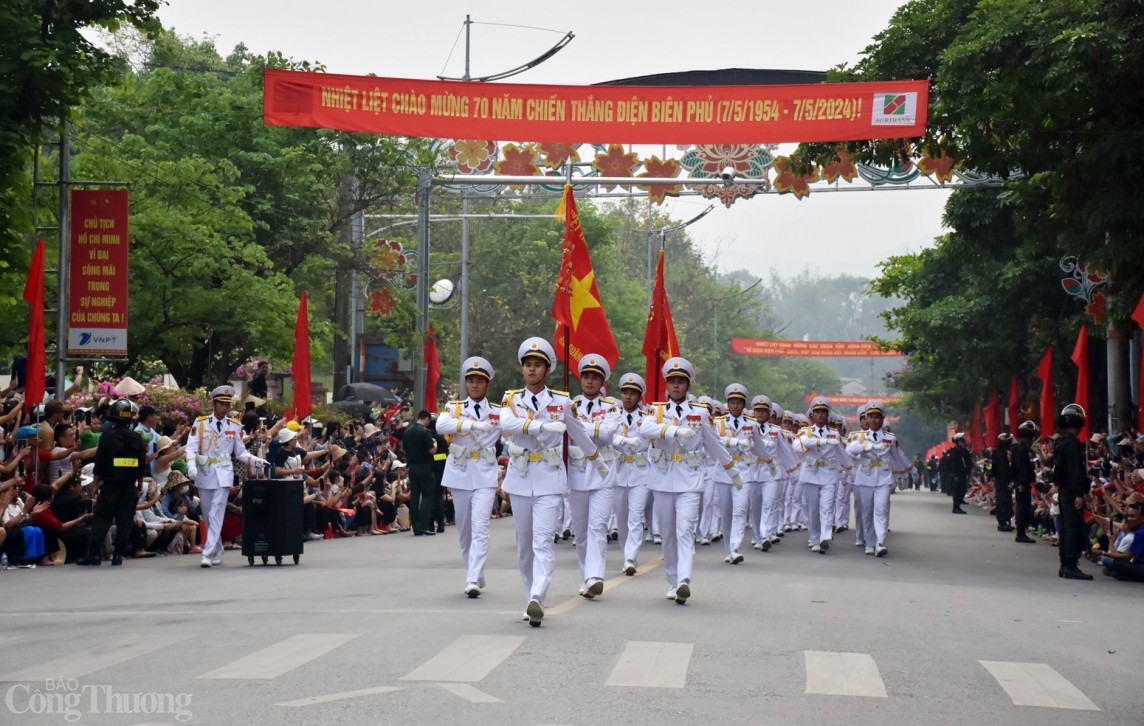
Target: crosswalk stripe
[
  {"x": 283, "y": 656},
  {"x": 1037, "y": 684},
  {"x": 468, "y": 658},
  {"x": 652, "y": 665},
  {"x": 81, "y": 663},
  {"x": 843, "y": 674},
  {"x": 469, "y": 693},
  {"x": 344, "y": 696}
]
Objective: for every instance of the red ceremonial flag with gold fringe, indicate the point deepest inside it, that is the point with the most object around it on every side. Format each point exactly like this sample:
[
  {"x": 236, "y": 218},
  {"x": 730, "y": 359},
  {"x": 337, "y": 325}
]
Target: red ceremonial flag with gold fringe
[
  {"x": 581, "y": 325},
  {"x": 1045, "y": 373},
  {"x": 1080, "y": 359},
  {"x": 660, "y": 342},
  {"x": 300, "y": 368},
  {"x": 34, "y": 382}
]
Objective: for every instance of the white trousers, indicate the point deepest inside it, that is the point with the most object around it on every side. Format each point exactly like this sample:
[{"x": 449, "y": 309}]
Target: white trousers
[
  {"x": 771, "y": 508},
  {"x": 842, "y": 504},
  {"x": 629, "y": 504},
  {"x": 819, "y": 500},
  {"x": 882, "y": 513},
  {"x": 213, "y": 503},
  {"x": 649, "y": 513},
  {"x": 864, "y": 515},
  {"x": 590, "y": 513},
  {"x": 565, "y": 514},
  {"x": 733, "y": 513},
  {"x": 677, "y": 513},
  {"x": 708, "y": 509},
  {"x": 473, "y": 509},
  {"x": 754, "y": 491},
  {"x": 795, "y": 508},
  {"x": 535, "y": 519}
]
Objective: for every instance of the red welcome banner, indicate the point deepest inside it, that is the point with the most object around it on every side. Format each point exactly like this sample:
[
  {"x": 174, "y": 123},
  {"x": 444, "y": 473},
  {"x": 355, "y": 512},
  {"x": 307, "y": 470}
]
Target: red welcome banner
[
  {"x": 97, "y": 298},
  {"x": 597, "y": 114},
  {"x": 853, "y": 400},
  {"x": 811, "y": 348}
]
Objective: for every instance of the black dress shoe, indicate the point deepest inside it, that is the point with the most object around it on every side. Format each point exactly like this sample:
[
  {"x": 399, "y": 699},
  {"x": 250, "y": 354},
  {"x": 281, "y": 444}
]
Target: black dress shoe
[
  {"x": 1004, "y": 528},
  {"x": 88, "y": 561},
  {"x": 1072, "y": 572},
  {"x": 1024, "y": 539},
  {"x": 116, "y": 560},
  {"x": 428, "y": 533},
  {"x": 960, "y": 511}
]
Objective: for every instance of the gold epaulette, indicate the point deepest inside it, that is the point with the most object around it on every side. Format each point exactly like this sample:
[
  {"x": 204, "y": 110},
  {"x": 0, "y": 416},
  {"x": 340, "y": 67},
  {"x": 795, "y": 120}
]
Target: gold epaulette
[
  {"x": 698, "y": 404},
  {"x": 495, "y": 405},
  {"x": 450, "y": 403},
  {"x": 554, "y": 392},
  {"x": 607, "y": 399}
]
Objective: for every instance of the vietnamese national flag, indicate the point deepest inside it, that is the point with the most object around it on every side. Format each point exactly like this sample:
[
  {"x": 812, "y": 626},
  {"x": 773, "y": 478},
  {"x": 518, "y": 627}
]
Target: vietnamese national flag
[
  {"x": 1080, "y": 359},
  {"x": 1138, "y": 316},
  {"x": 1045, "y": 373},
  {"x": 34, "y": 382},
  {"x": 433, "y": 374},
  {"x": 993, "y": 419},
  {"x": 1014, "y": 405},
  {"x": 660, "y": 342},
  {"x": 300, "y": 368},
  {"x": 581, "y": 324}
]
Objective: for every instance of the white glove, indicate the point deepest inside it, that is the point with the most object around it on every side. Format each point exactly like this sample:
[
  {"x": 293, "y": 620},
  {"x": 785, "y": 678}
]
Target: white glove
[
  {"x": 769, "y": 444},
  {"x": 879, "y": 447},
  {"x": 632, "y": 440},
  {"x": 259, "y": 462},
  {"x": 483, "y": 426},
  {"x": 737, "y": 481},
  {"x": 601, "y": 468},
  {"x": 554, "y": 427},
  {"x": 683, "y": 433}
]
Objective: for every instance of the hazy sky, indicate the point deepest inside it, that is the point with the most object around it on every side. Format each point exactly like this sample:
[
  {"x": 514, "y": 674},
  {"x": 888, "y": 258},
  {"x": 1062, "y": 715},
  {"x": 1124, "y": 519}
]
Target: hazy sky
[{"x": 831, "y": 233}]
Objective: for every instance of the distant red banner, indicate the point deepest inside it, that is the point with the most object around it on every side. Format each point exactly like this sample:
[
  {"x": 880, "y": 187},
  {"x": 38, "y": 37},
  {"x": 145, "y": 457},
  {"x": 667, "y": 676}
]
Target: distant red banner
[
  {"x": 97, "y": 304},
  {"x": 853, "y": 400},
  {"x": 811, "y": 348},
  {"x": 597, "y": 114}
]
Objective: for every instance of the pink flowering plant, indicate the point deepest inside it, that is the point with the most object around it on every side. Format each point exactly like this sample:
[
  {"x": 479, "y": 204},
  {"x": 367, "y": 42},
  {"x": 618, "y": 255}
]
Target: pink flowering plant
[{"x": 247, "y": 370}]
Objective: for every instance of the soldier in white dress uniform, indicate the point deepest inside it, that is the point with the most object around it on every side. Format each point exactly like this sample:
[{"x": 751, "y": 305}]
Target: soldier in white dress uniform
[
  {"x": 631, "y": 470},
  {"x": 773, "y": 458},
  {"x": 735, "y": 431},
  {"x": 214, "y": 442},
  {"x": 534, "y": 420},
  {"x": 591, "y": 494},
  {"x": 709, "y": 528},
  {"x": 679, "y": 430},
  {"x": 845, "y": 479},
  {"x": 823, "y": 452},
  {"x": 471, "y": 467},
  {"x": 878, "y": 460},
  {"x": 859, "y": 531}
]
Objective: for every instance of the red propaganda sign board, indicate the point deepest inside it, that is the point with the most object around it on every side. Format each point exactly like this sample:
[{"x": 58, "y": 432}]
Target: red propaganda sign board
[
  {"x": 811, "y": 348},
  {"x": 853, "y": 400},
  {"x": 97, "y": 298},
  {"x": 596, "y": 114}
]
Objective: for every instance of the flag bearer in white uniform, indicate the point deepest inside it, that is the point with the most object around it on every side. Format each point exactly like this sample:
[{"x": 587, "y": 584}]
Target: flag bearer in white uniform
[
  {"x": 737, "y": 434},
  {"x": 878, "y": 460},
  {"x": 471, "y": 468},
  {"x": 534, "y": 420},
  {"x": 214, "y": 442},
  {"x": 773, "y": 457},
  {"x": 679, "y": 431},
  {"x": 591, "y": 495},
  {"x": 823, "y": 452},
  {"x": 632, "y": 470}
]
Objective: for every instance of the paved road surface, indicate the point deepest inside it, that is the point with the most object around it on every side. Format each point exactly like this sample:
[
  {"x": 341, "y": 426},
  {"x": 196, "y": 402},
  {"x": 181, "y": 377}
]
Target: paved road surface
[{"x": 958, "y": 625}]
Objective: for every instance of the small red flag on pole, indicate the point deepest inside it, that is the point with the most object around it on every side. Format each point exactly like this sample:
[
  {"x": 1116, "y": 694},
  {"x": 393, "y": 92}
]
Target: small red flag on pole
[
  {"x": 1048, "y": 414},
  {"x": 300, "y": 368},
  {"x": 433, "y": 364},
  {"x": 34, "y": 382},
  {"x": 1080, "y": 359}
]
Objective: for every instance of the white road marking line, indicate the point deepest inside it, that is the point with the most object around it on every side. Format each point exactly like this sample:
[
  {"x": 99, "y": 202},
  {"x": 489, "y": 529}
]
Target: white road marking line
[
  {"x": 843, "y": 674},
  {"x": 339, "y": 696},
  {"x": 468, "y": 658},
  {"x": 283, "y": 656},
  {"x": 81, "y": 663},
  {"x": 469, "y": 693},
  {"x": 652, "y": 665},
  {"x": 1037, "y": 684}
]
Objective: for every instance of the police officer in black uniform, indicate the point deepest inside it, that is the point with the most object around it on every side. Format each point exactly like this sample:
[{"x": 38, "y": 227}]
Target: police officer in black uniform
[
  {"x": 1002, "y": 482},
  {"x": 960, "y": 467},
  {"x": 1070, "y": 474},
  {"x": 1023, "y": 477},
  {"x": 119, "y": 467}
]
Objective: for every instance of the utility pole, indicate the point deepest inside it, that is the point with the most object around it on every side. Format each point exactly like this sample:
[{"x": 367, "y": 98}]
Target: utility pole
[
  {"x": 465, "y": 250},
  {"x": 343, "y": 284}
]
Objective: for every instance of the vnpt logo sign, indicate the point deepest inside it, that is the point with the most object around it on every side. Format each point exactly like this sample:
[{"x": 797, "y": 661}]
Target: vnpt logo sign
[
  {"x": 84, "y": 338},
  {"x": 895, "y": 109}
]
